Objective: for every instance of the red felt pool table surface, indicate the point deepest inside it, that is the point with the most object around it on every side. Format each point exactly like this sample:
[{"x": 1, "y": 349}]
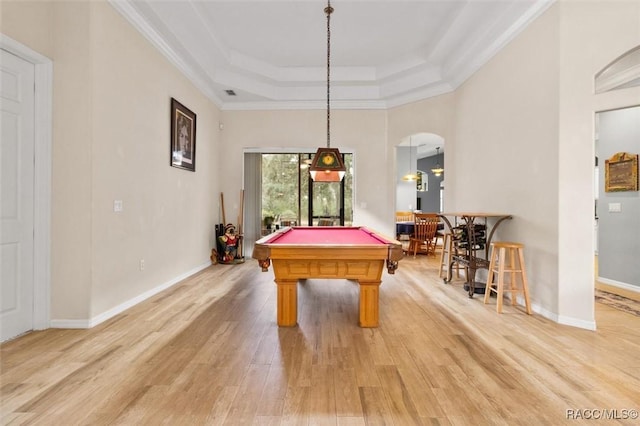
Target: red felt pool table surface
[
  {"x": 327, "y": 235},
  {"x": 354, "y": 253}
]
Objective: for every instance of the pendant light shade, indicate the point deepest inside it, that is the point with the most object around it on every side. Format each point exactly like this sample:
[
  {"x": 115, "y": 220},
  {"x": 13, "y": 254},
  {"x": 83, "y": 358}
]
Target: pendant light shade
[
  {"x": 327, "y": 165},
  {"x": 437, "y": 170},
  {"x": 410, "y": 176}
]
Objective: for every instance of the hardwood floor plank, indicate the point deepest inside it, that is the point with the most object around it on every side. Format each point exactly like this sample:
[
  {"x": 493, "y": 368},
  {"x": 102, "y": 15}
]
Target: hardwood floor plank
[
  {"x": 375, "y": 406},
  {"x": 402, "y": 408},
  {"x": 322, "y": 396},
  {"x": 298, "y": 360},
  {"x": 219, "y": 413},
  {"x": 347, "y": 394},
  {"x": 363, "y": 362},
  {"x": 296, "y": 406},
  {"x": 208, "y": 351},
  {"x": 421, "y": 394},
  {"x": 274, "y": 392},
  {"x": 351, "y": 421},
  {"x": 267, "y": 421},
  {"x": 245, "y": 404}
]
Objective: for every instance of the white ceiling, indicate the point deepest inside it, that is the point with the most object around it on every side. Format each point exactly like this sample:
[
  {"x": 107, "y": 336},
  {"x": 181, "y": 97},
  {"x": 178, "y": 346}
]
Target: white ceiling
[{"x": 273, "y": 54}]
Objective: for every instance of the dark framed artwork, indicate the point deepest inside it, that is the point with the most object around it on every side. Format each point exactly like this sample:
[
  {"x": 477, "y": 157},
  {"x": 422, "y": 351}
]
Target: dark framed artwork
[
  {"x": 183, "y": 137},
  {"x": 621, "y": 172}
]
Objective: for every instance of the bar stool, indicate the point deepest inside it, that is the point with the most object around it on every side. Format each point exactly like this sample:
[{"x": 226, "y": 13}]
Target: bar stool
[
  {"x": 507, "y": 257},
  {"x": 446, "y": 256}
]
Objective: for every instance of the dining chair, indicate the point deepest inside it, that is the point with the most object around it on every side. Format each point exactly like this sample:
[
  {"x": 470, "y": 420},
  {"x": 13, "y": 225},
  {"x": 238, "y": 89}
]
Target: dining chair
[
  {"x": 425, "y": 234},
  {"x": 431, "y": 216},
  {"x": 402, "y": 216}
]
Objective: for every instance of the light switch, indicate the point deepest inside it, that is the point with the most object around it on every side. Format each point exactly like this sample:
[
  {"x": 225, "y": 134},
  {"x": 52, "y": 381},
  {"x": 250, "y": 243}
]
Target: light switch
[
  {"x": 117, "y": 206},
  {"x": 614, "y": 208}
]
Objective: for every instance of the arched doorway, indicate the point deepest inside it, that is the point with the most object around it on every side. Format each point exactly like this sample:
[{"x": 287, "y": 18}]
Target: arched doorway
[
  {"x": 417, "y": 186},
  {"x": 616, "y": 212}
]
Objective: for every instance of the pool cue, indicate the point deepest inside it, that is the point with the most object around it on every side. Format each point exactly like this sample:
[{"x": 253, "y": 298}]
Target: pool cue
[
  {"x": 224, "y": 219},
  {"x": 240, "y": 224}
]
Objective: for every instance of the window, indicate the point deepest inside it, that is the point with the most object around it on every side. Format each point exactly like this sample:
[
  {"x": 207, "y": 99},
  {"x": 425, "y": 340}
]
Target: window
[{"x": 290, "y": 198}]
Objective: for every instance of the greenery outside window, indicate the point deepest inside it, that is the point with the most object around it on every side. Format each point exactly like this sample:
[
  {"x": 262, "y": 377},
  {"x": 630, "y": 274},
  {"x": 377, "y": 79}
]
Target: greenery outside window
[{"x": 288, "y": 195}]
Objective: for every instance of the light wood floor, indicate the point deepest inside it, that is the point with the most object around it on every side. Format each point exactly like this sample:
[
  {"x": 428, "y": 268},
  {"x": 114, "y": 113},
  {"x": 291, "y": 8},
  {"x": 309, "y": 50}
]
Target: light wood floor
[
  {"x": 208, "y": 351},
  {"x": 633, "y": 295}
]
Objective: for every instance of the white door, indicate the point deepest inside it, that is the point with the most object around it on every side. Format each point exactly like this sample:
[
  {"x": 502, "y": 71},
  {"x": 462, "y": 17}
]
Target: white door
[{"x": 16, "y": 195}]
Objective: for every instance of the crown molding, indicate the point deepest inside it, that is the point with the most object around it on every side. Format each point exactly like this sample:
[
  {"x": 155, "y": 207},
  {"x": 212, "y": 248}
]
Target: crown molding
[
  {"x": 129, "y": 12},
  {"x": 304, "y": 105}
]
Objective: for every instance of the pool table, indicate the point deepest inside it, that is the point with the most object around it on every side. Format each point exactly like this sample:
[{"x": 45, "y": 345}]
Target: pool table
[{"x": 341, "y": 252}]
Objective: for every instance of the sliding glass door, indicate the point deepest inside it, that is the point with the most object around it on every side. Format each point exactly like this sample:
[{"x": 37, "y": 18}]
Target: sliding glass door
[
  {"x": 331, "y": 203},
  {"x": 289, "y": 197},
  {"x": 280, "y": 191}
]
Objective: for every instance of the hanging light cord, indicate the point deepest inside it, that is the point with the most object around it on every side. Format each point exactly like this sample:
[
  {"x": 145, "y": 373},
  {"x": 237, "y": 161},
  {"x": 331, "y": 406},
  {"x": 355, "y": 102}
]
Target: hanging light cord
[
  {"x": 410, "y": 155},
  {"x": 328, "y": 10}
]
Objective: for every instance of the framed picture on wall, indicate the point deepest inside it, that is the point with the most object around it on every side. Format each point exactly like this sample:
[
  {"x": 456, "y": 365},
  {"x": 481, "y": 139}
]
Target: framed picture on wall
[
  {"x": 183, "y": 137},
  {"x": 621, "y": 172},
  {"x": 422, "y": 183}
]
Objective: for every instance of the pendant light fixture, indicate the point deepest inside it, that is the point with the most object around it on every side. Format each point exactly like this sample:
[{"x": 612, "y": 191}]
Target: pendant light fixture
[
  {"x": 410, "y": 176},
  {"x": 437, "y": 170},
  {"x": 327, "y": 165}
]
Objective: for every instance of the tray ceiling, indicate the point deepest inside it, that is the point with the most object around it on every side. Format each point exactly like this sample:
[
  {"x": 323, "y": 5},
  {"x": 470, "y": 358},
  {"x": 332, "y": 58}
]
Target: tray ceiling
[{"x": 272, "y": 54}]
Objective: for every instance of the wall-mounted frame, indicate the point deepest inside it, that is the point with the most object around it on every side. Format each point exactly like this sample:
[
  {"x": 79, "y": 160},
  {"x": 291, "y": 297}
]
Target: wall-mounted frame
[
  {"x": 183, "y": 137},
  {"x": 422, "y": 182},
  {"x": 621, "y": 172}
]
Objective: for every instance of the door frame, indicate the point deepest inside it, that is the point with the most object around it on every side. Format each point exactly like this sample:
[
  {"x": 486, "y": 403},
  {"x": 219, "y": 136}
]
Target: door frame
[{"x": 42, "y": 178}]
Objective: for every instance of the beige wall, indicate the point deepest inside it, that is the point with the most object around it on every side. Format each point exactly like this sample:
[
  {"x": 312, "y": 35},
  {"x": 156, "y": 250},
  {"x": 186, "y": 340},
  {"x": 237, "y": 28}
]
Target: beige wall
[
  {"x": 30, "y": 22},
  {"x": 529, "y": 114},
  {"x": 111, "y": 128},
  {"x": 504, "y": 156},
  {"x": 435, "y": 115},
  {"x": 361, "y": 132},
  {"x": 72, "y": 158},
  {"x": 168, "y": 212}
]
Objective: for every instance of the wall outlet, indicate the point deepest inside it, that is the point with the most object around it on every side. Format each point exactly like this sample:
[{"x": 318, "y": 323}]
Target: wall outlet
[
  {"x": 615, "y": 208},
  {"x": 117, "y": 206},
  {"x": 142, "y": 264}
]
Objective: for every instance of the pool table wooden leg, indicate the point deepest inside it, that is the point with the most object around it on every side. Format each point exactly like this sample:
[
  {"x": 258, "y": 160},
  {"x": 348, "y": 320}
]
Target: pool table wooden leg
[
  {"x": 287, "y": 303},
  {"x": 369, "y": 307}
]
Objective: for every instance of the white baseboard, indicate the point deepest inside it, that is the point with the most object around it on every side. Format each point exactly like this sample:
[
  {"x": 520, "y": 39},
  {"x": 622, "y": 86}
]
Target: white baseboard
[
  {"x": 573, "y": 322},
  {"x": 92, "y": 322},
  {"x": 68, "y": 323},
  {"x": 625, "y": 286}
]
